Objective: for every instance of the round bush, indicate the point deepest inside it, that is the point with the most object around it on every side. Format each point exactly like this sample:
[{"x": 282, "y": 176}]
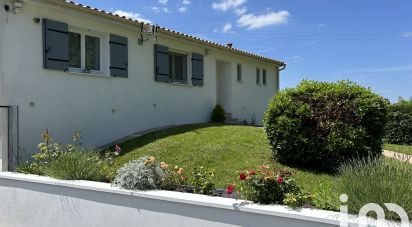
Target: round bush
[
  {"x": 399, "y": 127},
  {"x": 218, "y": 114},
  {"x": 320, "y": 124},
  {"x": 141, "y": 174}
]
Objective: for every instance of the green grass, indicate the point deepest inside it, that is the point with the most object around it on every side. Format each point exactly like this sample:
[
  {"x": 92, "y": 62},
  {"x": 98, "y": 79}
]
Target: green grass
[
  {"x": 377, "y": 181},
  {"x": 398, "y": 148},
  {"x": 226, "y": 149}
]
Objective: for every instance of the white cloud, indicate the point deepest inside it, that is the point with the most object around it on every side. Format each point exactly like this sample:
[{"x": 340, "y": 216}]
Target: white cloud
[
  {"x": 227, "y": 27},
  {"x": 158, "y": 10},
  {"x": 163, "y": 2},
  {"x": 252, "y": 21},
  {"x": 182, "y": 9},
  {"x": 406, "y": 34},
  {"x": 225, "y": 5},
  {"x": 186, "y": 2},
  {"x": 132, "y": 15},
  {"x": 240, "y": 11}
]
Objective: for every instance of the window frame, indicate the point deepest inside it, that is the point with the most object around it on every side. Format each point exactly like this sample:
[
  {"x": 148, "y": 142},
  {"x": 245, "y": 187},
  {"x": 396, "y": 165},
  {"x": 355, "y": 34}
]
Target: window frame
[
  {"x": 239, "y": 72},
  {"x": 104, "y": 52},
  {"x": 258, "y": 76},
  {"x": 172, "y": 75}
]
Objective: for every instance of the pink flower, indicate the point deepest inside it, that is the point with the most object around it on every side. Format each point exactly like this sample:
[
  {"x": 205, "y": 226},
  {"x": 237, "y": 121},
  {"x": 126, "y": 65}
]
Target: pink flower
[
  {"x": 279, "y": 180},
  {"x": 229, "y": 189},
  {"x": 117, "y": 149}
]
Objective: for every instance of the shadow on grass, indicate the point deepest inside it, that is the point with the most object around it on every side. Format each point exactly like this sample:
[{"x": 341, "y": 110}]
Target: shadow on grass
[{"x": 150, "y": 137}]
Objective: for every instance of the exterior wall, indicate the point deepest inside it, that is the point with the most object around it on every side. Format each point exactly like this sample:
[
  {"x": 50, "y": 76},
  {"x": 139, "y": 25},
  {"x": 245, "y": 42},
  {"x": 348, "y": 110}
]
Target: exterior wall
[
  {"x": 250, "y": 99},
  {"x": 40, "y": 201},
  {"x": 106, "y": 108},
  {"x": 3, "y": 125}
]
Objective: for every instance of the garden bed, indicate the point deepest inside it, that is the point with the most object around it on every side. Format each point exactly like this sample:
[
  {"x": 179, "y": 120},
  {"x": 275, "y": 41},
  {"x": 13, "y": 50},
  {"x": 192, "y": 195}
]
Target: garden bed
[{"x": 44, "y": 201}]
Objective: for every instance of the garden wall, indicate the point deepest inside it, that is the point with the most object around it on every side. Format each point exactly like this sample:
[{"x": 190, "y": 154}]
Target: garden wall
[{"x": 28, "y": 200}]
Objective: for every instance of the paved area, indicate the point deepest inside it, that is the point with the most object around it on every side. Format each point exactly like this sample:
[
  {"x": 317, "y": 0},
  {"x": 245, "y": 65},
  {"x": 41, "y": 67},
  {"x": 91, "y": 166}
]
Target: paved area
[{"x": 400, "y": 156}]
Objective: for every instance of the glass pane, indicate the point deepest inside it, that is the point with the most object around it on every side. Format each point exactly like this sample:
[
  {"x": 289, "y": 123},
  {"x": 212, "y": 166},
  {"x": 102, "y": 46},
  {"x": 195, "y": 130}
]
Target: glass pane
[
  {"x": 92, "y": 53},
  {"x": 178, "y": 67},
  {"x": 74, "y": 50}
]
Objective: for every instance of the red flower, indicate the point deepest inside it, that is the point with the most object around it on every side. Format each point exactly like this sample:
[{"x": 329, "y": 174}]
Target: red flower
[
  {"x": 279, "y": 180},
  {"x": 251, "y": 172},
  {"x": 242, "y": 176},
  {"x": 229, "y": 189}
]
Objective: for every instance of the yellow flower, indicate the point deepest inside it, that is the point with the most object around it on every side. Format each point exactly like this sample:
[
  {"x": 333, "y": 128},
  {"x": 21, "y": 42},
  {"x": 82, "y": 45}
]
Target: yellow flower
[
  {"x": 150, "y": 160},
  {"x": 164, "y": 165},
  {"x": 181, "y": 171}
]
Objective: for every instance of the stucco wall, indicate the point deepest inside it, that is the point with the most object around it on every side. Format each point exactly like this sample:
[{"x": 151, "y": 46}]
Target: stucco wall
[
  {"x": 41, "y": 201},
  {"x": 3, "y": 126},
  {"x": 105, "y": 108}
]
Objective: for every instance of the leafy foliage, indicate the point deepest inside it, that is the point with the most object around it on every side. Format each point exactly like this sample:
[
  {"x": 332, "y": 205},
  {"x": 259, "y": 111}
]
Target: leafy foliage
[
  {"x": 218, "y": 114},
  {"x": 79, "y": 165},
  {"x": 49, "y": 151},
  {"x": 399, "y": 127},
  {"x": 299, "y": 199},
  {"x": 203, "y": 180},
  {"x": 267, "y": 186},
  {"x": 144, "y": 173},
  {"x": 322, "y": 124},
  {"x": 377, "y": 181}
]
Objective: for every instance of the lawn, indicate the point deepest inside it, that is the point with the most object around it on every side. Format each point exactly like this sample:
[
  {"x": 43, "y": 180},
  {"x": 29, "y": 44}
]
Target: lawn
[
  {"x": 226, "y": 149},
  {"x": 398, "y": 148}
]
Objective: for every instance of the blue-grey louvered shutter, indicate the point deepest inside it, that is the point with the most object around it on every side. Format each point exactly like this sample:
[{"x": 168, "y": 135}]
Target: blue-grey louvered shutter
[
  {"x": 118, "y": 56},
  {"x": 197, "y": 69},
  {"x": 162, "y": 64},
  {"x": 55, "y": 45}
]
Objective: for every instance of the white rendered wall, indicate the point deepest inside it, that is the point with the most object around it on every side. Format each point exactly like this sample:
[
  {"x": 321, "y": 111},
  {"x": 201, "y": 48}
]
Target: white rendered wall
[
  {"x": 104, "y": 108},
  {"x": 3, "y": 125},
  {"x": 29, "y": 200}
]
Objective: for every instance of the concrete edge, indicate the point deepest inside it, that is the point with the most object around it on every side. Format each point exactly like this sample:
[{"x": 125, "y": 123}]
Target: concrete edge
[{"x": 306, "y": 214}]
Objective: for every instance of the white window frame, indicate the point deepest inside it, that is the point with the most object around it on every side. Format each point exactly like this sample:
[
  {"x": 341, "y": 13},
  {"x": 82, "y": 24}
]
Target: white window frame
[{"x": 104, "y": 52}]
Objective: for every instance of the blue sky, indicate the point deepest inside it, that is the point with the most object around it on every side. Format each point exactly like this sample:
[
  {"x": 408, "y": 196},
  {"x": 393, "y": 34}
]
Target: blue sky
[{"x": 366, "y": 41}]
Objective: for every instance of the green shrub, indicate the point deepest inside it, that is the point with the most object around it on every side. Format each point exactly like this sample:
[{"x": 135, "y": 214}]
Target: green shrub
[
  {"x": 48, "y": 151},
  {"x": 144, "y": 173},
  {"x": 321, "y": 124},
  {"x": 203, "y": 180},
  {"x": 399, "y": 127},
  {"x": 79, "y": 165},
  {"x": 266, "y": 186},
  {"x": 218, "y": 114},
  {"x": 377, "y": 181}
]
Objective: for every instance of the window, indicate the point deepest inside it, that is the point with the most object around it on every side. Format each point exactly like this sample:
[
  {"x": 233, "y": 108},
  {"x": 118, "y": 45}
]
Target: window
[
  {"x": 257, "y": 76},
  {"x": 264, "y": 76},
  {"x": 178, "y": 67},
  {"x": 84, "y": 52},
  {"x": 239, "y": 72}
]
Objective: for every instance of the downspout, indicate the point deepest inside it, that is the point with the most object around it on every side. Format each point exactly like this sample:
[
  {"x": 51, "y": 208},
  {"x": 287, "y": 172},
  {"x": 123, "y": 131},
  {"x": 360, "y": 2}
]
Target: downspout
[{"x": 282, "y": 67}]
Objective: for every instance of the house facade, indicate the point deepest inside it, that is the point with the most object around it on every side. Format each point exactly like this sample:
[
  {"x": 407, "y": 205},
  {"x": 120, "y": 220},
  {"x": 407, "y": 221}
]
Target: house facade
[{"x": 68, "y": 67}]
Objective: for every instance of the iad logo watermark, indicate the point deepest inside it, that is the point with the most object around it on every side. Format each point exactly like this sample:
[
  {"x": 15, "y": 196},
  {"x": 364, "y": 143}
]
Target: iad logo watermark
[{"x": 372, "y": 207}]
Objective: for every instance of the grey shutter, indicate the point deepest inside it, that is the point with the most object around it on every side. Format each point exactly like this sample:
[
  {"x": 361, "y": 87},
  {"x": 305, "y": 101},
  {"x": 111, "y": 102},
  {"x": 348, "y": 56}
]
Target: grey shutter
[
  {"x": 197, "y": 69},
  {"x": 162, "y": 64},
  {"x": 55, "y": 45},
  {"x": 118, "y": 56}
]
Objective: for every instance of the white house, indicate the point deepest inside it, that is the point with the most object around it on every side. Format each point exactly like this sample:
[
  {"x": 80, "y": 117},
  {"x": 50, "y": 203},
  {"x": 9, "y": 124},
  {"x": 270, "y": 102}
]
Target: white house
[{"x": 71, "y": 67}]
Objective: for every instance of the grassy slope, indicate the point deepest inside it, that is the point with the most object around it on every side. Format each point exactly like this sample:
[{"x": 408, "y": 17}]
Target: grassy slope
[
  {"x": 399, "y": 148},
  {"x": 226, "y": 149}
]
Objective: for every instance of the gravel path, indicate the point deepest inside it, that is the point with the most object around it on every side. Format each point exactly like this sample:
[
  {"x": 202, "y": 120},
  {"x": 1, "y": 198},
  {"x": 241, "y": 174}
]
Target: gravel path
[{"x": 400, "y": 156}]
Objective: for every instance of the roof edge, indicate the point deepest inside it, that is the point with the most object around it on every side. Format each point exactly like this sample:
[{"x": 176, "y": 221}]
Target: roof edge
[{"x": 110, "y": 15}]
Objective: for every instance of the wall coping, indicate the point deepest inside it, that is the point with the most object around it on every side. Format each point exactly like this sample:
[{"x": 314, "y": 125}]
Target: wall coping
[{"x": 306, "y": 214}]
